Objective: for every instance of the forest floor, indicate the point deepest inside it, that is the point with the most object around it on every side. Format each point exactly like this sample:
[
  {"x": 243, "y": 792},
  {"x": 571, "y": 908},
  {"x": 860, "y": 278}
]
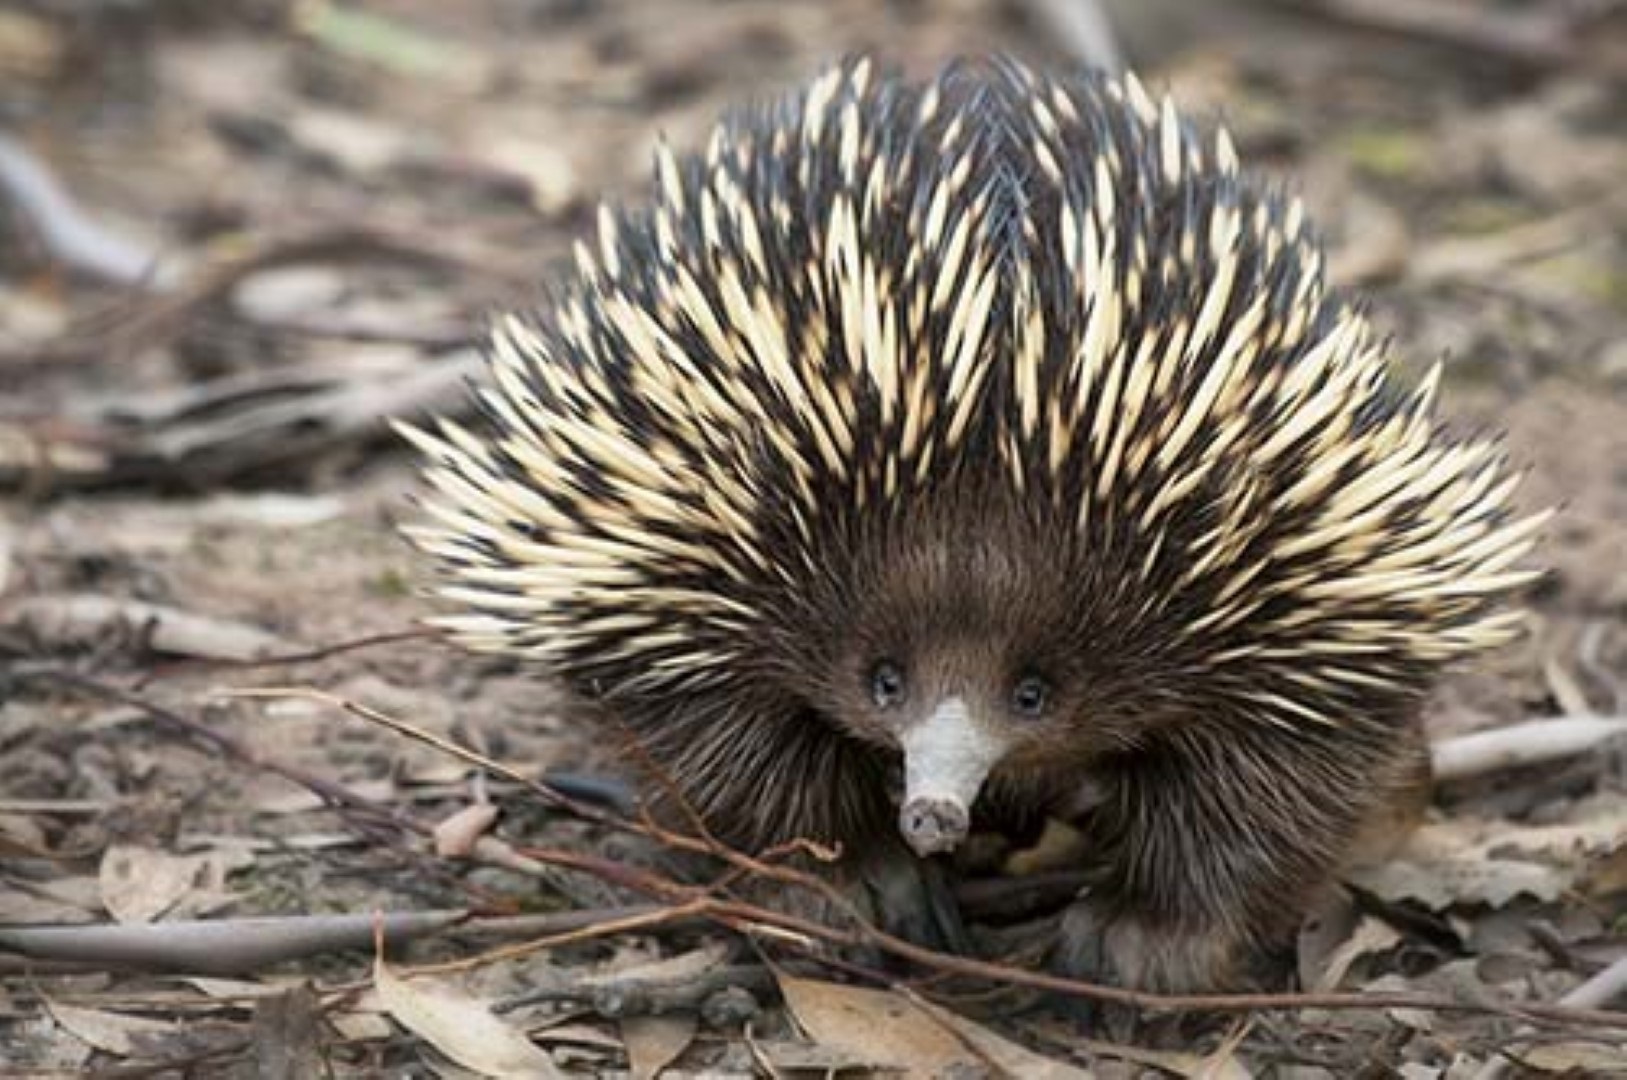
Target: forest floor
[{"x": 199, "y": 497}]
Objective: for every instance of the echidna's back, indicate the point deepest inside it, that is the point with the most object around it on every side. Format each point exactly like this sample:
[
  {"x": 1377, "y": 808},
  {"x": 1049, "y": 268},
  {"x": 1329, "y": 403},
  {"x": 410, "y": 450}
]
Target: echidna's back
[{"x": 873, "y": 291}]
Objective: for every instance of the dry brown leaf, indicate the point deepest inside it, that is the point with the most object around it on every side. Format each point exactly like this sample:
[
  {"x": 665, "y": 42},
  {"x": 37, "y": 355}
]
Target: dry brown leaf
[
  {"x": 23, "y": 837},
  {"x": 17, "y": 907},
  {"x": 461, "y": 1027},
  {"x": 566, "y": 1032},
  {"x": 654, "y": 1042},
  {"x": 1467, "y": 861},
  {"x": 359, "y": 144},
  {"x": 789, "y": 1057},
  {"x": 72, "y": 619},
  {"x": 1439, "y": 884},
  {"x": 681, "y": 968},
  {"x": 1577, "y": 1058},
  {"x": 65, "y": 900},
  {"x": 358, "y": 1026},
  {"x": 277, "y": 796},
  {"x": 286, "y": 1032},
  {"x": 138, "y": 885},
  {"x": 878, "y": 1027},
  {"x": 456, "y": 836},
  {"x": 1002, "y": 1053},
  {"x": 1218, "y": 1066},
  {"x": 1370, "y": 936},
  {"x": 110, "y": 1032}
]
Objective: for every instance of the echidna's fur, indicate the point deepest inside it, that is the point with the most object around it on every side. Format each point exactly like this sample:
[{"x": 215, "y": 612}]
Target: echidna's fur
[{"x": 994, "y": 374}]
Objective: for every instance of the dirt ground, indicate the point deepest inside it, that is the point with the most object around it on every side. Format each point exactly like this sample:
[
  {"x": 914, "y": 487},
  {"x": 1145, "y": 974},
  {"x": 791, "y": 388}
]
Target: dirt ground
[{"x": 195, "y": 471}]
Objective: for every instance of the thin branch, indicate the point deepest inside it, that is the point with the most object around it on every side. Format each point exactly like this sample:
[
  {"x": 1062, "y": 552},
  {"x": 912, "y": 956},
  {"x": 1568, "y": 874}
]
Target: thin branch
[
  {"x": 1518, "y": 745},
  {"x": 191, "y": 665},
  {"x": 70, "y": 236},
  {"x": 219, "y": 946}
]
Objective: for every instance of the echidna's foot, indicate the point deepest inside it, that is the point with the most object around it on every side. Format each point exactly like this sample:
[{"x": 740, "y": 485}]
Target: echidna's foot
[
  {"x": 1136, "y": 955},
  {"x": 910, "y": 898},
  {"x": 1082, "y": 953},
  {"x": 1132, "y": 954},
  {"x": 1128, "y": 954},
  {"x": 891, "y": 890}
]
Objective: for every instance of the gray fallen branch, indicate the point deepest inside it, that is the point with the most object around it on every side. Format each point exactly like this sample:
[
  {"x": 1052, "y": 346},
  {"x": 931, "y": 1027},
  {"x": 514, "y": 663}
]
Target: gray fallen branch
[
  {"x": 1520, "y": 745},
  {"x": 70, "y": 236},
  {"x": 246, "y": 946},
  {"x": 219, "y": 946},
  {"x": 1601, "y": 989},
  {"x": 79, "y": 619}
]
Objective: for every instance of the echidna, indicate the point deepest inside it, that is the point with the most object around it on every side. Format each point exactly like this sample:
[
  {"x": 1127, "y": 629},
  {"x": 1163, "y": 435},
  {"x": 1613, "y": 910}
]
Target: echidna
[{"x": 929, "y": 447}]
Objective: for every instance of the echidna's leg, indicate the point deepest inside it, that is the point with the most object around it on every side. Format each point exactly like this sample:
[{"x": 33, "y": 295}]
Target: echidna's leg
[
  {"x": 1211, "y": 846},
  {"x": 911, "y": 898}
]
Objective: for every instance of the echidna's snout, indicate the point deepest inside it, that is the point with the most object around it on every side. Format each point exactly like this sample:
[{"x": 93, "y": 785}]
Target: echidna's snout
[
  {"x": 947, "y": 756},
  {"x": 932, "y": 825}
]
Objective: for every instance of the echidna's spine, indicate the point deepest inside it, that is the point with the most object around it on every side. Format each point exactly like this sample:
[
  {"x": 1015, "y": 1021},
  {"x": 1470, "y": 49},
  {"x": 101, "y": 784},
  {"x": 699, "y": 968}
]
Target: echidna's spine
[
  {"x": 857, "y": 295},
  {"x": 758, "y": 773}
]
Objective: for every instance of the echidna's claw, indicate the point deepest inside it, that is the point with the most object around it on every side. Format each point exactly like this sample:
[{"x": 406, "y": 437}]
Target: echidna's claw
[{"x": 912, "y": 900}]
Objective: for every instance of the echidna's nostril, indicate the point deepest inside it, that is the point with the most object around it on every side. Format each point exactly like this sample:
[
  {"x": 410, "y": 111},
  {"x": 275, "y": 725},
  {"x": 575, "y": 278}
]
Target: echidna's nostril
[{"x": 932, "y": 825}]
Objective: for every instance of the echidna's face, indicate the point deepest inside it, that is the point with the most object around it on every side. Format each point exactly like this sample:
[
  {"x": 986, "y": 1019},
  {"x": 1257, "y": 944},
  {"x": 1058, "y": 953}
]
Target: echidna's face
[
  {"x": 962, "y": 648},
  {"x": 956, "y": 709}
]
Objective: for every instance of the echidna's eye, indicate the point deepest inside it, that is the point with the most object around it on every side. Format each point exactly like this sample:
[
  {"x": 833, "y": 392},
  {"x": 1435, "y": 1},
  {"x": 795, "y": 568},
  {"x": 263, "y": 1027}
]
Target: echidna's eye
[
  {"x": 887, "y": 684},
  {"x": 1029, "y": 696}
]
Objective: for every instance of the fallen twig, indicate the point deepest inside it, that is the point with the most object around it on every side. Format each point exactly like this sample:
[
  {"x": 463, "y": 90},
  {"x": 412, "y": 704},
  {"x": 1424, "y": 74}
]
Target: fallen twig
[
  {"x": 69, "y": 235},
  {"x": 193, "y": 664},
  {"x": 82, "y": 619},
  {"x": 1470, "y": 257},
  {"x": 1520, "y": 745},
  {"x": 248, "y": 945},
  {"x": 219, "y": 946}
]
